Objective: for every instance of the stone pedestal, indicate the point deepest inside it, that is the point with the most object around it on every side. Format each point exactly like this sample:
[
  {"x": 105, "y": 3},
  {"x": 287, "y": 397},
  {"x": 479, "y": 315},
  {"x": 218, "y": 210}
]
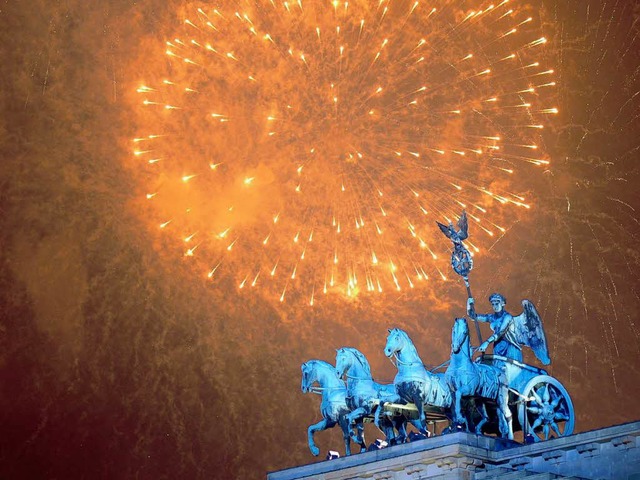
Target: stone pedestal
[{"x": 611, "y": 453}]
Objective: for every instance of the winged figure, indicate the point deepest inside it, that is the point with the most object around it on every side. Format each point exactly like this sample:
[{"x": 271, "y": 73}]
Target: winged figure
[
  {"x": 461, "y": 260},
  {"x": 511, "y": 332},
  {"x": 456, "y": 236},
  {"x": 528, "y": 331}
]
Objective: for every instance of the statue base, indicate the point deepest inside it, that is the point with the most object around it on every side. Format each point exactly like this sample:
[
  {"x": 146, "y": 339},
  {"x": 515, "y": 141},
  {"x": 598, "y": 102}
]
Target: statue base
[{"x": 609, "y": 453}]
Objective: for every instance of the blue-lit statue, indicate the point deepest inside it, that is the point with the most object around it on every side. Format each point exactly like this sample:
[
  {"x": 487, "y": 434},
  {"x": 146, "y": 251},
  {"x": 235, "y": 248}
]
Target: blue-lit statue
[
  {"x": 461, "y": 260},
  {"x": 467, "y": 393},
  {"x": 467, "y": 378},
  {"x": 413, "y": 382},
  {"x": 509, "y": 332},
  {"x": 333, "y": 406},
  {"x": 365, "y": 397}
]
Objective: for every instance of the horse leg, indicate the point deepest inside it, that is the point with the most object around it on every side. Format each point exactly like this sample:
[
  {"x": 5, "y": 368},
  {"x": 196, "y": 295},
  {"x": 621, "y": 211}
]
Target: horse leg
[
  {"x": 421, "y": 422},
  {"x": 389, "y": 433},
  {"x": 346, "y": 434},
  {"x": 458, "y": 420},
  {"x": 321, "y": 425},
  {"x": 355, "y": 417},
  {"x": 418, "y": 426},
  {"x": 401, "y": 427},
  {"x": 421, "y": 427},
  {"x": 504, "y": 414},
  {"x": 485, "y": 418},
  {"x": 379, "y": 414},
  {"x": 384, "y": 425},
  {"x": 358, "y": 437},
  {"x": 361, "y": 440},
  {"x": 376, "y": 418}
]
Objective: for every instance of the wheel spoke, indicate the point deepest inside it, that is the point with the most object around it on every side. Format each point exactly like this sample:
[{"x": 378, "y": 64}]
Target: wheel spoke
[
  {"x": 537, "y": 423},
  {"x": 546, "y": 396},
  {"x": 536, "y": 410},
  {"x": 560, "y": 416},
  {"x": 536, "y": 396},
  {"x": 554, "y": 427},
  {"x": 545, "y": 429}
]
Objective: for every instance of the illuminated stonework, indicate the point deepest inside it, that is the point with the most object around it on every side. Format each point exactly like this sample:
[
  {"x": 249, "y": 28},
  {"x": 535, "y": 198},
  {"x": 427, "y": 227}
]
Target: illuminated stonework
[{"x": 611, "y": 453}]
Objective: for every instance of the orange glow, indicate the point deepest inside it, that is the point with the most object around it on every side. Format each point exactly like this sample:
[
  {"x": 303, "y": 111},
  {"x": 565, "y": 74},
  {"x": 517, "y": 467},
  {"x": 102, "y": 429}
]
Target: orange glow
[{"x": 345, "y": 130}]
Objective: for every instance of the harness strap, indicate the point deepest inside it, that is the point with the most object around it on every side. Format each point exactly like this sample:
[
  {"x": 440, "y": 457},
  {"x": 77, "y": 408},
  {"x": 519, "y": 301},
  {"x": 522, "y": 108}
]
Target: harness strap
[
  {"x": 406, "y": 363},
  {"x": 319, "y": 390},
  {"x": 446, "y": 362},
  {"x": 526, "y": 399},
  {"x": 359, "y": 378}
]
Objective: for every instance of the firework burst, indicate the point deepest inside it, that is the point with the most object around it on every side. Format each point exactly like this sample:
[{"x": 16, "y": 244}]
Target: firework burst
[{"x": 309, "y": 148}]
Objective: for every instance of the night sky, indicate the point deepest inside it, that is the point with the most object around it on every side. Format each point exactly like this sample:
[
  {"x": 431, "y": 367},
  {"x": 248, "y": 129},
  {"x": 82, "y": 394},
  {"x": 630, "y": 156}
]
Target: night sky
[{"x": 120, "y": 357}]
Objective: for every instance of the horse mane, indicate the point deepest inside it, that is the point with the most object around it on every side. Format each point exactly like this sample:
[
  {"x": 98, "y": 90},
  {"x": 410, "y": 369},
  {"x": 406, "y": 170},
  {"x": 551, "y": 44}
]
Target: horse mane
[
  {"x": 406, "y": 338},
  {"x": 320, "y": 363},
  {"x": 404, "y": 334},
  {"x": 361, "y": 358},
  {"x": 464, "y": 329}
]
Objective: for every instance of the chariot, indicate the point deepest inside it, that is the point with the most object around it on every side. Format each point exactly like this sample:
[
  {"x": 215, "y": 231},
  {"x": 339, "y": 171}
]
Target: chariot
[
  {"x": 540, "y": 405},
  {"x": 493, "y": 394},
  {"x": 538, "y": 402}
]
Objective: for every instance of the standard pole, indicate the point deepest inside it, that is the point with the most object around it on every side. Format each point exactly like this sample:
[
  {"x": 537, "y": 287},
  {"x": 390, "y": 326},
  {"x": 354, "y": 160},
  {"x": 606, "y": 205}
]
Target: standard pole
[{"x": 466, "y": 283}]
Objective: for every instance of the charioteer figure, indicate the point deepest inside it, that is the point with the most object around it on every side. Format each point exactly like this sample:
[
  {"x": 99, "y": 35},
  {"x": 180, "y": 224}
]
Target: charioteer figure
[{"x": 509, "y": 332}]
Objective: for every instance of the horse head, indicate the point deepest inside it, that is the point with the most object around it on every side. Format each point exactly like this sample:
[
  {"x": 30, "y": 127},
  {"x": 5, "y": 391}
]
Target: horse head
[
  {"x": 343, "y": 362},
  {"x": 395, "y": 341},
  {"x": 308, "y": 376},
  {"x": 459, "y": 334}
]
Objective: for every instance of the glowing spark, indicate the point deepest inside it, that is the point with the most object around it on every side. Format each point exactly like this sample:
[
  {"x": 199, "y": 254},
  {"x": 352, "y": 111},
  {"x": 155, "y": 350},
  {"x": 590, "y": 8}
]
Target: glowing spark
[
  {"x": 190, "y": 251},
  {"x": 383, "y": 125},
  {"x": 210, "y": 274}
]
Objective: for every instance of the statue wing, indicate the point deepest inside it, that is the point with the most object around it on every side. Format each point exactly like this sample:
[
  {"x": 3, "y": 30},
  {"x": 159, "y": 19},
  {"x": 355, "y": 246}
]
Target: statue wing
[
  {"x": 463, "y": 226},
  {"x": 445, "y": 229},
  {"x": 529, "y": 332}
]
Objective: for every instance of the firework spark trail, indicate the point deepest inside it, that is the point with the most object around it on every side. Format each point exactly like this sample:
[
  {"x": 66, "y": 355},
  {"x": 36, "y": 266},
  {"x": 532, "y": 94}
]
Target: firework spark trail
[
  {"x": 591, "y": 206},
  {"x": 327, "y": 141}
]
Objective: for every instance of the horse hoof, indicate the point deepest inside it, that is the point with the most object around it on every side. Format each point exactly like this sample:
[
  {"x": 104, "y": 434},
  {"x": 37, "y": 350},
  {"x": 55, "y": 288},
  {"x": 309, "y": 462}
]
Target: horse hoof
[{"x": 315, "y": 451}]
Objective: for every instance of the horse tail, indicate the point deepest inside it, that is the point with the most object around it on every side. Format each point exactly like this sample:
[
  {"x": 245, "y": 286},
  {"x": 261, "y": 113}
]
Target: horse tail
[
  {"x": 491, "y": 381},
  {"x": 438, "y": 392}
]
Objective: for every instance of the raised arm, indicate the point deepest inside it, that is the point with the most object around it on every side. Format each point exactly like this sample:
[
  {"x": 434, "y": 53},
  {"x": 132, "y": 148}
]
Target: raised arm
[{"x": 471, "y": 311}]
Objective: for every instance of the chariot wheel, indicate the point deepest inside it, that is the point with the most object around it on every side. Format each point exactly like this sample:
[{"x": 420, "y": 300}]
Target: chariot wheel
[{"x": 547, "y": 410}]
